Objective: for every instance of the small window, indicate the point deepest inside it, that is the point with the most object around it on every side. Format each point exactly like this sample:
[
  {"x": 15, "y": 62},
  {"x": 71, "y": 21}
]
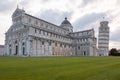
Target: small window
[
  {"x": 29, "y": 20},
  {"x": 42, "y": 43},
  {"x": 78, "y": 47},
  {"x": 43, "y": 33},
  {"x": 55, "y": 44},
  {"x": 15, "y": 42},
  {"x": 10, "y": 45},
  {"x": 69, "y": 46},
  {"x": 65, "y": 46},
  {"x": 41, "y": 24},
  {"x": 23, "y": 43},
  {"x": 24, "y": 26},
  {"x": 46, "y": 26},
  {"x": 39, "y": 31},
  {"x": 61, "y": 45},
  {"x": 49, "y": 43},
  {"x": 47, "y": 33},
  {"x": 35, "y": 31},
  {"x": 36, "y": 22},
  {"x": 50, "y": 34}
]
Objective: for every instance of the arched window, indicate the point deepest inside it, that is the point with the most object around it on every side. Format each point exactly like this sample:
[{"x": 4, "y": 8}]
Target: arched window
[{"x": 16, "y": 42}]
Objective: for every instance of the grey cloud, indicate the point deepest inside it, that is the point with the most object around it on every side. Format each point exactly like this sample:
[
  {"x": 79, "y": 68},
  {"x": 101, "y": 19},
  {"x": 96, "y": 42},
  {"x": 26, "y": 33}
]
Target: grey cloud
[
  {"x": 86, "y": 2},
  {"x": 24, "y": 2},
  {"x": 88, "y": 19},
  {"x": 44, "y": 1},
  {"x": 115, "y": 36},
  {"x": 118, "y": 1},
  {"x": 53, "y": 16},
  {"x": 6, "y": 5}
]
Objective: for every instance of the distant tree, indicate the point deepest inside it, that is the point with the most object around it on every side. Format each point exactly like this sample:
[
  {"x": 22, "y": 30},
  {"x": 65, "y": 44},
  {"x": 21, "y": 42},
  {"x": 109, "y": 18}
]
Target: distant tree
[{"x": 113, "y": 51}]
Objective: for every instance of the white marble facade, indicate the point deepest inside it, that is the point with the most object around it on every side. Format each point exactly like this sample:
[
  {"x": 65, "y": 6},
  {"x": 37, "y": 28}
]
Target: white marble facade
[{"x": 31, "y": 36}]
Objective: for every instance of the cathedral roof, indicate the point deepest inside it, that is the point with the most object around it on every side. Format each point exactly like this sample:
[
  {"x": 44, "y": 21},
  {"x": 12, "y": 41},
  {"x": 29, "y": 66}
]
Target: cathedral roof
[{"x": 18, "y": 11}]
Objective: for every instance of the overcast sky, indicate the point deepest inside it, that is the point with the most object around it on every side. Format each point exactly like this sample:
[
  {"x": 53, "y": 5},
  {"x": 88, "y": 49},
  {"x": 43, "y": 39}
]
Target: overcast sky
[{"x": 83, "y": 14}]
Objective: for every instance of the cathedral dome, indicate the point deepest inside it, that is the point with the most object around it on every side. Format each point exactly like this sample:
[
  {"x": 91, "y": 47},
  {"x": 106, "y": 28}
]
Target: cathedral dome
[
  {"x": 67, "y": 25},
  {"x": 65, "y": 22}
]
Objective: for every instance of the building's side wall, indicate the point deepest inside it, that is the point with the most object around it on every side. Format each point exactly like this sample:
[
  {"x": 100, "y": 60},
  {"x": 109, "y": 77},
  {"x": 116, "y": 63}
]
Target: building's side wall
[
  {"x": 46, "y": 43},
  {"x": 43, "y": 47},
  {"x": 41, "y": 24},
  {"x": 85, "y": 43}
]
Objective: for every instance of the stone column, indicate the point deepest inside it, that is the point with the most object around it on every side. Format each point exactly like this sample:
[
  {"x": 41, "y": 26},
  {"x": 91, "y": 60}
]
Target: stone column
[
  {"x": 27, "y": 46},
  {"x": 6, "y": 49},
  {"x": 20, "y": 48}
]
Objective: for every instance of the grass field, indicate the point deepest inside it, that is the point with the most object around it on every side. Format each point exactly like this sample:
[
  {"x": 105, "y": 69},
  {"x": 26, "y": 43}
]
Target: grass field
[{"x": 59, "y": 68}]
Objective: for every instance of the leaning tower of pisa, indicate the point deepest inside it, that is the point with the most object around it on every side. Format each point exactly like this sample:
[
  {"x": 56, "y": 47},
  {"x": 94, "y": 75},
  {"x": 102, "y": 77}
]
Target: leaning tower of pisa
[{"x": 103, "y": 39}]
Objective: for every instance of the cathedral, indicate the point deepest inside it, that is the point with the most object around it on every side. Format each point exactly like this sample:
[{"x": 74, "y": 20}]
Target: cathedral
[{"x": 31, "y": 36}]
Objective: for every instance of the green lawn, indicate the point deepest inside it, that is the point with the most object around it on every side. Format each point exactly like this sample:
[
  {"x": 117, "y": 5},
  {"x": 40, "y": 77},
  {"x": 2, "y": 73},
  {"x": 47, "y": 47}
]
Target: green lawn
[{"x": 59, "y": 68}]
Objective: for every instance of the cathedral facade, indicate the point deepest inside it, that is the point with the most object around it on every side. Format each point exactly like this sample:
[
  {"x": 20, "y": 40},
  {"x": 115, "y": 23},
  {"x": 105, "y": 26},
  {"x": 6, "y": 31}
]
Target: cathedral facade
[{"x": 31, "y": 36}]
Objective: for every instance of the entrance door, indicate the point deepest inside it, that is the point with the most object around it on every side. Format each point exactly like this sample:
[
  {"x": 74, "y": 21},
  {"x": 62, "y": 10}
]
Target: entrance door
[
  {"x": 23, "y": 50},
  {"x": 10, "y": 51},
  {"x": 84, "y": 53},
  {"x": 16, "y": 50}
]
